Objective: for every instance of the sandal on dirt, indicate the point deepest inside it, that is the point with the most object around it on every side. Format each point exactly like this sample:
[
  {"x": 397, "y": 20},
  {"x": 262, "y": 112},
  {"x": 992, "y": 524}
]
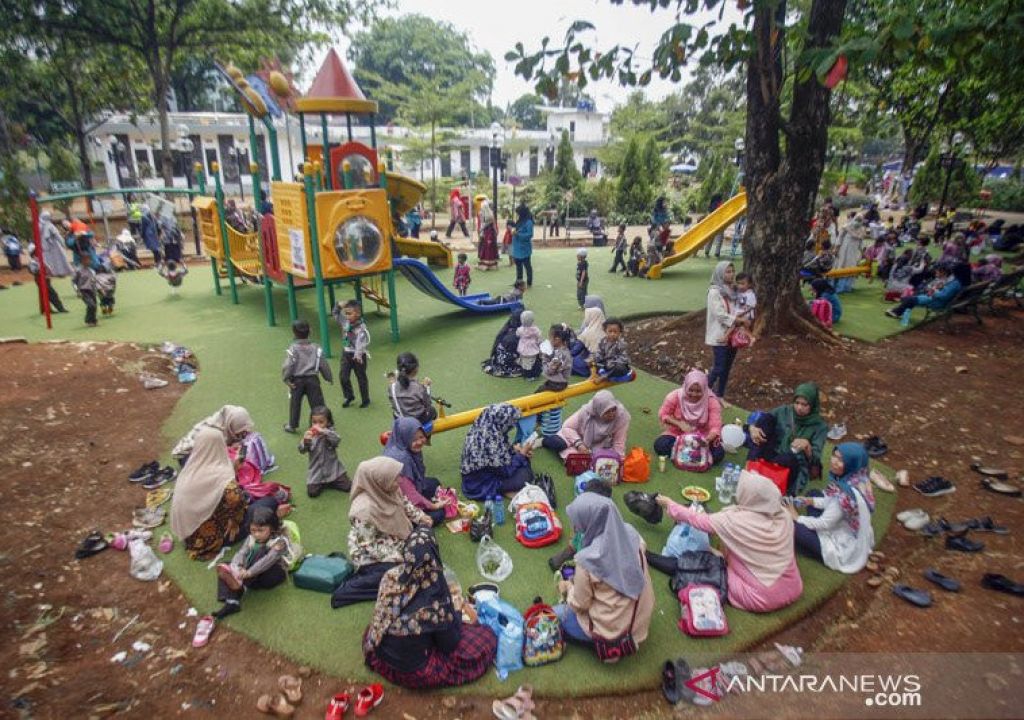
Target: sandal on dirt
[
  {"x": 880, "y": 481},
  {"x": 149, "y": 518},
  {"x": 166, "y": 543},
  {"x": 962, "y": 543},
  {"x": 674, "y": 674},
  {"x": 1001, "y": 488},
  {"x": 891, "y": 573},
  {"x": 156, "y": 498},
  {"x": 996, "y": 473},
  {"x": 903, "y": 478},
  {"x": 875, "y": 580},
  {"x": 516, "y": 707},
  {"x": 91, "y": 544},
  {"x": 338, "y": 706},
  {"x": 914, "y": 596},
  {"x": 986, "y": 524},
  {"x": 274, "y": 705},
  {"x": 291, "y": 686},
  {"x": 203, "y": 631}
]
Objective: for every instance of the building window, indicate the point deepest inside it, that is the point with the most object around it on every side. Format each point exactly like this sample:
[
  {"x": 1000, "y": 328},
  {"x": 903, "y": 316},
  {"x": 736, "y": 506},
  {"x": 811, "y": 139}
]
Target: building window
[
  {"x": 485, "y": 160},
  {"x": 572, "y": 130},
  {"x": 534, "y": 152},
  {"x": 464, "y": 163},
  {"x": 446, "y": 163},
  {"x": 211, "y": 158}
]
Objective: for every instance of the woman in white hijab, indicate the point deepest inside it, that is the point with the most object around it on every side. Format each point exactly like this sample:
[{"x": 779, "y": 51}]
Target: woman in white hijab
[
  {"x": 850, "y": 252},
  {"x": 721, "y": 316}
]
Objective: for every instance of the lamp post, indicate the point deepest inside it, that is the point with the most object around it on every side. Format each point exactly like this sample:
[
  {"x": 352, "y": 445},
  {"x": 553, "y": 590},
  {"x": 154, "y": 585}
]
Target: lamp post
[
  {"x": 236, "y": 156},
  {"x": 950, "y": 160},
  {"x": 497, "y": 136},
  {"x": 114, "y": 154}
]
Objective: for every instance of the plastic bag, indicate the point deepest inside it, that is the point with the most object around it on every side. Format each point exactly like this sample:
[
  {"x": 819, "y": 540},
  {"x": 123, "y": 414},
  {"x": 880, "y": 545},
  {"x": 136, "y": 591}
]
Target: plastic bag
[
  {"x": 510, "y": 650},
  {"x": 685, "y": 538},
  {"x": 145, "y": 565},
  {"x": 492, "y": 561},
  {"x": 529, "y": 494}
]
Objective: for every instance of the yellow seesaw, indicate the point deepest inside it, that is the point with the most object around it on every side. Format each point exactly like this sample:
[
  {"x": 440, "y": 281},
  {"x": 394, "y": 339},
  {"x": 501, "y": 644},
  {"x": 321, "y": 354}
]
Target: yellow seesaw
[{"x": 529, "y": 404}]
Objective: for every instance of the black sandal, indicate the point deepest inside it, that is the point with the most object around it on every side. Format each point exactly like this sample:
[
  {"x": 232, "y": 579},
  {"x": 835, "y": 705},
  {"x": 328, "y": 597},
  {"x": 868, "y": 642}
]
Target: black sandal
[
  {"x": 92, "y": 544},
  {"x": 674, "y": 674},
  {"x": 986, "y": 524},
  {"x": 989, "y": 472},
  {"x": 1000, "y": 488}
]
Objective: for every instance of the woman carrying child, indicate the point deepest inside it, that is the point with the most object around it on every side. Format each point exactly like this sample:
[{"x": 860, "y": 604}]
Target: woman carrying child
[
  {"x": 321, "y": 442},
  {"x": 381, "y": 519},
  {"x": 491, "y": 465},
  {"x": 601, "y": 423},
  {"x": 410, "y": 397},
  {"x": 721, "y": 317},
  {"x": 528, "y": 346},
  {"x": 837, "y": 528},
  {"x": 405, "y": 444},
  {"x": 416, "y": 638},
  {"x": 757, "y": 533},
  {"x": 691, "y": 409}
]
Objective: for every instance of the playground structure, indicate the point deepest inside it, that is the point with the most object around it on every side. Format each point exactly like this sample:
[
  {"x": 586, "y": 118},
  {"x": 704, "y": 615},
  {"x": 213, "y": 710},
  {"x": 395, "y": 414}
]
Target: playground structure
[
  {"x": 716, "y": 222},
  {"x": 336, "y": 226}
]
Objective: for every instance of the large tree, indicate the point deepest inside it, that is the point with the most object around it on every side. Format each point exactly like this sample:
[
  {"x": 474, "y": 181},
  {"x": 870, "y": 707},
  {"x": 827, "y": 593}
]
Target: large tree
[
  {"x": 525, "y": 113},
  {"x": 160, "y": 33},
  {"x": 399, "y": 50}
]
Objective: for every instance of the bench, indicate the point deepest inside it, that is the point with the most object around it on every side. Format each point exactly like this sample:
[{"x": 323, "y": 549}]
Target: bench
[
  {"x": 1006, "y": 288},
  {"x": 966, "y": 301}
]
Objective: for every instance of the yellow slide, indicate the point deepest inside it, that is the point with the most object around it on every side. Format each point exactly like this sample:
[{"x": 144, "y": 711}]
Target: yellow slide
[
  {"x": 702, "y": 233},
  {"x": 436, "y": 253},
  {"x": 404, "y": 193}
]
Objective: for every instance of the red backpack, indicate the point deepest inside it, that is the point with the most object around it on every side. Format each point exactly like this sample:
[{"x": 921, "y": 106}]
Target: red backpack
[{"x": 536, "y": 525}]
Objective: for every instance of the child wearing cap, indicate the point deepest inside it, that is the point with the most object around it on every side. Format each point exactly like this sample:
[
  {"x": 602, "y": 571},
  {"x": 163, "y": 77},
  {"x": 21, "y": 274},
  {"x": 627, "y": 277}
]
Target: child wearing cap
[{"x": 582, "y": 276}]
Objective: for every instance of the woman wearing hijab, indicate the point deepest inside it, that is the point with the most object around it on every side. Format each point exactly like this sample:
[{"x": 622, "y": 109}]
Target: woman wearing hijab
[
  {"x": 416, "y": 637},
  {"x": 594, "y": 301},
  {"x": 208, "y": 507},
  {"x": 380, "y": 519},
  {"x": 587, "y": 340},
  {"x": 611, "y": 592},
  {"x": 800, "y": 437},
  {"x": 850, "y": 252},
  {"x": 504, "y": 359},
  {"x": 491, "y": 465},
  {"x": 602, "y": 423},
  {"x": 235, "y": 425},
  {"x": 757, "y": 533},
  {"x": 522, "y": 244},
  {"x": 55, "y": 259},
  {"x": 721, "y": 316},
  {"x": 487, "y": 253},
  {"x": 150, "y": 234},
  {"x": 837, "y": 527},
  {"x": 405, "y": 444},
  {"x": 691, "y": 408}
]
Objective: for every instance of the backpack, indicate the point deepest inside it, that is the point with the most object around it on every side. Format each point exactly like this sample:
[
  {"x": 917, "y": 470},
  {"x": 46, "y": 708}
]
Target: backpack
[
  {"x": 778, "y": 474},
  {"x": 536, "y": 525},
  {"x": 322, "y": 573},
  {"x": 576, "y": 463},
  {"x": 293, "y": 554},
  {"x": 547, "y": 484},
  {"x": 690, "y": 453},
  {"x": 703, "y": 568},
  {"x": 636, "y": 468},
  {"x": 701, "y": 612},
  {"x": 821, "y": 309},
  {"x": 542, "y": 635},
  {"x": 608, "y": 465}
]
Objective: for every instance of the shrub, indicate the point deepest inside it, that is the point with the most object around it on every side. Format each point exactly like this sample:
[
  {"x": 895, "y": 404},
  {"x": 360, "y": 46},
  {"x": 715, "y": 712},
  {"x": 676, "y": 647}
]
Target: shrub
[{"x": 1006, "y": 195}]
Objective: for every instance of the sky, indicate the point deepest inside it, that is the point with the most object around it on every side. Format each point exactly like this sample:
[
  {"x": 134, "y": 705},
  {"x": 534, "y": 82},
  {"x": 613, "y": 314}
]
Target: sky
[{"x": 497, "y": 26}]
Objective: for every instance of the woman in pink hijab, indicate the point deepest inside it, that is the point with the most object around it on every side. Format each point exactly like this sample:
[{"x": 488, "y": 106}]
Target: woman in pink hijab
[
  {"x": 761, "y": 570},
  {"x": 692, "y": 408}
]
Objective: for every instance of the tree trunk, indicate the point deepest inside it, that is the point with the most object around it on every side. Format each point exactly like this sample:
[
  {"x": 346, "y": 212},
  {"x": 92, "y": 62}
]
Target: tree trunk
[
  {"x": 83, "y": 157},
  {"x": 781, "y": 189},
  {"x": 433, "y": 178},
  {"x": 161, "y": 77}
]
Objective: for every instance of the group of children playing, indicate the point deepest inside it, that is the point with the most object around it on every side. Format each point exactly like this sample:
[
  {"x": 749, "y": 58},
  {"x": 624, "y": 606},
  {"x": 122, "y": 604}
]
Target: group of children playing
[{"x": 639, "y": 260}]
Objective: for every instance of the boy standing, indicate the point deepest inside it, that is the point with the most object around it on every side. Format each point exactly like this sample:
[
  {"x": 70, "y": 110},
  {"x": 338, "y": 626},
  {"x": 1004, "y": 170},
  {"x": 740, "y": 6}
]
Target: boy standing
[
  {"x": 612, "y": 356},
  {"x": 619, "y": 249},
  {"x": 304, "y": 362},
  {"x": 85, "y": 285},
  {"x": 355, "y": 341},
  {"x": 582, "y": 276}
]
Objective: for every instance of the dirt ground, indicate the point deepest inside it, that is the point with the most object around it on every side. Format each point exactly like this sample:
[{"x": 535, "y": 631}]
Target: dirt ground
[{"x": 940, "y": 398}]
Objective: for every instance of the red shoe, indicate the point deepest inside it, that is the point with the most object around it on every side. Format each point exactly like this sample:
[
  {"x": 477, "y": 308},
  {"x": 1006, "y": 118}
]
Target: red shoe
[
  {"x": 369, "y": 698},
  {"x": 337, "y": 707},
  {"x": 384, "y": 437}
]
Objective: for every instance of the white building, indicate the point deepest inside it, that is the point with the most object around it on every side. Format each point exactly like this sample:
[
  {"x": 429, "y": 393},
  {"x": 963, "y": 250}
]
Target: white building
[{"x": 130, "y": 150}]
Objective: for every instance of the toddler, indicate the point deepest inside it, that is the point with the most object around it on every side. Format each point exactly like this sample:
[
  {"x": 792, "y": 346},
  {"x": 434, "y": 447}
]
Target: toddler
[
  {"x": 823, "y": 290},
  {"x": 528, "y": 346},
  {"x": 173, "y": 272},
  {"x": 746, "y": 300},
  {"x": 462, "y": 278},
  {"x": 304, "y": 363},
  {"x": 582, "y": 276},
  {"x": 506, "y": 242},
  {"x": 636, "y": 257},
  {"x": 106, "y": 284},
  {"x": 612, "y": 356},
  {"x": 261, "y": 562},
  {"x": 355, "y": 341},
  {"x": 320, "y": 442},
  {"x": 517, "y": 293},
  {"x": 409, "y": 397},
  {"x": 558, "y": 366},
  {"x": 86, "y": 285},
  {"x": 653, "y": 257},
  {"x": 619, "y": 249}
]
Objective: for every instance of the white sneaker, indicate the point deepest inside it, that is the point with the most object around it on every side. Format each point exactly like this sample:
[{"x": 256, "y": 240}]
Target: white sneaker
[{"x": 837, "y": 432}]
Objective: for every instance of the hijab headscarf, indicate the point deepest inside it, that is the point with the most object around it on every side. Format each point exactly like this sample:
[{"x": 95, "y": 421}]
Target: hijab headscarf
[
  {"x": 795, "y": 426},
  {"x": 413, "y": 598},
  {"x": 507, "y": 334},
  {"x": 592, "y": 331},
  {"x": 609, "y": 549},
  {"x": 399, "y": 447},
  {"x": 757, "y": 529},
  {"x": 54, "y": 256},
  {"x": 598, "y": 432},
  {"x": 854, "y": 477},
  {"x": 201, "y": 483},
  {"x": 718, "y": 280},
  {"x": 594, "y": 301},
  {"x": 233, "y": 421},
  {"x": 695, "y": 413},
  {"x": 487, "y": 444},
  {"x": 376, "y": 498}
]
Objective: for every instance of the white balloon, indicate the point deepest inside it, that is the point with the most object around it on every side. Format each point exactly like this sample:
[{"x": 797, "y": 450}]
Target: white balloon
[{"x": 732, "y": 437}]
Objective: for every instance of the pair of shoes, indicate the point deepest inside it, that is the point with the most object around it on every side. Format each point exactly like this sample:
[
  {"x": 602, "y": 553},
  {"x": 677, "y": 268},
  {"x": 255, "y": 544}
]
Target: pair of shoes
[
  {"x": 366, "y": 700},
  {"x": 935, "y": 486},
  {"x": 348, "y": 402},
  {"x": 946, "y": 583},
  {"x": 364, "y": 403},
  {"x": 1001, "y": 583},
  {"x": 962, "y": 543},
  {"x": 227, "y": 609},
  {"x": 144, "y": 472},
  {"x": 515, "y": 707},
  {"x": 837, "y": 432},
  {"x": 880, "y": 481},
  {"x": 1001, "y": 488},
  {"x": 147, "y": 518},
  {"x": 289, "y": 429},
  {"x": 914, "y": 519},
  {"x": 996, "y": 473},
  {"x": 875, "y": 446},
  {"x": 160, "y": 477}
]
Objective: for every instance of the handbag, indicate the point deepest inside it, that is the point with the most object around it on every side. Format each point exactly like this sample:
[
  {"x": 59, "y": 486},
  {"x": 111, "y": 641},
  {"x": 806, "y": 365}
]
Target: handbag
[
  {"x": 480, "y": 526},
  {"x": 740, "y": 338},
  {"x": 636, "y": 468},
  {"x": 323, "y": 573},
  {"x": 619, "y": 647},
  {"x": 577, "y": 463},
  {"x": 700, "y": 568},
  {"x": 778, "y": 474}
]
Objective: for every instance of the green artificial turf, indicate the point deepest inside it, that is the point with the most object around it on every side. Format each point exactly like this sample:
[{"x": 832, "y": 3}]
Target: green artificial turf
[{"x": 240, "y": 359}]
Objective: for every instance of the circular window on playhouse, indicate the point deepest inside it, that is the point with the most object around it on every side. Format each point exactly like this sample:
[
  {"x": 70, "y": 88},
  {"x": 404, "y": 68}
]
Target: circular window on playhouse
[
  {"x": 360, "y": 169},
  {"x": 358, "y": 242}
]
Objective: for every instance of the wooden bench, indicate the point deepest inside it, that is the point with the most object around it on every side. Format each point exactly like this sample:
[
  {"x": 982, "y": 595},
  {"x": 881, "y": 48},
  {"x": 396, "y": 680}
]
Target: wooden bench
[
  {"x": 966, "y": 301},
  {"x": 1006, "y": 288}
]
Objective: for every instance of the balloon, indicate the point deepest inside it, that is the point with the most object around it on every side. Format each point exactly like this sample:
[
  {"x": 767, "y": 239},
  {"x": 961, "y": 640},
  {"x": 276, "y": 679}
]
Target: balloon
[{"x": 732, "y": 437}]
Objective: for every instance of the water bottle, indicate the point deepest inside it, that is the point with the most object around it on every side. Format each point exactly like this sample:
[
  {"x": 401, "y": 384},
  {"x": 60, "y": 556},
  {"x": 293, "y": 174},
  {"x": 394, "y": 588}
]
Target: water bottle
[
  {"x": 489, "y": 508},
  {"x": 499, "y": 510},
  {"x": 905, "y": 318}
]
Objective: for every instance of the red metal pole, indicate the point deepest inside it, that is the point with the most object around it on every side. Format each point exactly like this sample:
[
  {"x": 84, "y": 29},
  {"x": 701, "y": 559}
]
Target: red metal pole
[{"x": 44, "y": 296}]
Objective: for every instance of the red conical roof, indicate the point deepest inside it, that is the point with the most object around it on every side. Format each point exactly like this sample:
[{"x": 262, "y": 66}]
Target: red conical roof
[{"x": 333, "y": 80}]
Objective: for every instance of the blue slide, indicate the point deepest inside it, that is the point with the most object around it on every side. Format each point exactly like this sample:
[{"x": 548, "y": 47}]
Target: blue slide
[{"x": 423, "y": 279}]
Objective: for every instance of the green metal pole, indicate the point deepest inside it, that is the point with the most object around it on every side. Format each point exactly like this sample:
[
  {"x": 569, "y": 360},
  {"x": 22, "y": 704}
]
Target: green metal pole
[
  {"x": 393, "y": 302},
  {"x": 216, "y": 276},
  {"x": 257, "y": 201},
  {"x": 293, "y": 307},
  {"x": 346, "y": 176},
  {"x": 200, "y": 179},
  {"x": 318, "y": 278},
  {"x": 275, "y": 160},
  {"x": 373, "y": 132},
  {"x": 328, "y": 180},
  {"x": 254, "y": 168},
  {"x": 359, "y": 291},
  {"x": 302, "y": 135},
  {"x": 225, "y": 244}
]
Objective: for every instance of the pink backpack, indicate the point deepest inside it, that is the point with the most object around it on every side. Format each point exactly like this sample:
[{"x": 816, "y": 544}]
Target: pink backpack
[
  {"x": 691, "y": 453},
  {"x": 702, "y": 612},
  {"x": 607, "y": 463},
  {"x": 821, "y": 309}
]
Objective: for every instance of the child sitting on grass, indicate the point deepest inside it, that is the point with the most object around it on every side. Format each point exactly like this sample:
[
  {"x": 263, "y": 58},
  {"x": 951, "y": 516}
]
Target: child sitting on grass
[
  {"x": 528, "y": 346},
  {"x": 261, "y": 562},
  {"x": 612, "y": 356},
  {"x": 321, "y": 442},
  {"x": 462, "y": 278},
  {"x": 557, "y": 366}
]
